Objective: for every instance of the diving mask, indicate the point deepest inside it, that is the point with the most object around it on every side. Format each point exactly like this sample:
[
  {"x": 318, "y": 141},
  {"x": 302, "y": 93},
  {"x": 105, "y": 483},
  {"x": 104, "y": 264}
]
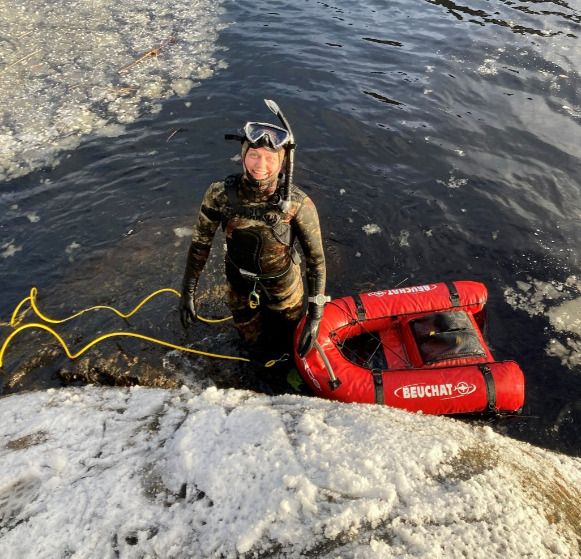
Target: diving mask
[{"x": 269, "y": 134}]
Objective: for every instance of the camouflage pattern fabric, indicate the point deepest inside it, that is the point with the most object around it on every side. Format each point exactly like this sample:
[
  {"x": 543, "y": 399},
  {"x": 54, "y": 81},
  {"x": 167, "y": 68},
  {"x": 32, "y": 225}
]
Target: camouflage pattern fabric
[{"x": 254, "y": 245}]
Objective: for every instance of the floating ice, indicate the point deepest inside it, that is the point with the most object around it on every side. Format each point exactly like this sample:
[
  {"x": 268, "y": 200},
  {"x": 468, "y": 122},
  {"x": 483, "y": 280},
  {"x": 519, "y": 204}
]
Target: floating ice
[
  {"x": 488, "y": 67},
  {"x": 453, "y": 182},
  {"x": 183, "y": 231},
  {"x": 404, "y": 238},
  {"x": 561, "y": 304},
  {"x": 72, "y": 247},
  {"x": 371, "y": 229},
  {"x": 66, "y": 69},
  {"x": 9, "y": 249}
]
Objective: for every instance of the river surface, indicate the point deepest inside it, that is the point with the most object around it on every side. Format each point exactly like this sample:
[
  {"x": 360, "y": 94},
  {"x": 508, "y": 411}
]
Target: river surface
[{"x": 439, "y": 141}]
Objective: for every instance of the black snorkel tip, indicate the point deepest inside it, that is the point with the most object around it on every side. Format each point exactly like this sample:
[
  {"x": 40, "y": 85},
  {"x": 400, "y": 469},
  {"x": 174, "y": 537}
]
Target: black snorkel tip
[
  {"x": 235, "y": 137},
  {"x": 276, "y": 110}
]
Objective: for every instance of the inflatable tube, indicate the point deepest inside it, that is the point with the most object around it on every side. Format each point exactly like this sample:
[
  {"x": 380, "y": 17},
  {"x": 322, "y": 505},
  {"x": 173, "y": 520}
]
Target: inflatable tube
[{"x": 417, "y": 348}]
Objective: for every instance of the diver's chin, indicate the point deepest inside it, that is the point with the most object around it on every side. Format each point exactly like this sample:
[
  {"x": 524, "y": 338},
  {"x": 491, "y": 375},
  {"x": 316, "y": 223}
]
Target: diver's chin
[{"x": 262, "y": 181}]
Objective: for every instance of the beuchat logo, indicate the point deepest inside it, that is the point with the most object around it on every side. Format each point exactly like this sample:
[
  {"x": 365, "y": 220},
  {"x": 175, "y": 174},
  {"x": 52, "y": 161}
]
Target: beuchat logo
[
  {"x": 402, "y": 290},
  {"x": 444, "y": 391}
]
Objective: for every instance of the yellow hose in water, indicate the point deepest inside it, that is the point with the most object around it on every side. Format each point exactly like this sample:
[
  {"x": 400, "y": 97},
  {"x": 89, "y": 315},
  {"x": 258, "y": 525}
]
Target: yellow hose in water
[{"x": 15, "y": 320}]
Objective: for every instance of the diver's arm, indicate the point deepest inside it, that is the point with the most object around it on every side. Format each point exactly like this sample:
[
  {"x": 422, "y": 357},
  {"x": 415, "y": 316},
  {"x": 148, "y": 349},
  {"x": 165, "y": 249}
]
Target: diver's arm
[
  {"x": 308, "y": 232},
  {"x": 199, "y": 250}
]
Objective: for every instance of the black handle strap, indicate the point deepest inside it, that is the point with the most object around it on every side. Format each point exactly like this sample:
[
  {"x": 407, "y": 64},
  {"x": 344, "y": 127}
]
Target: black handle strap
[
  {"x": 378, "y": 382},
  {"x": 360, "y": 308},
  {"x": 454, "y": 296},
  {"x": 490, "y": 387}
]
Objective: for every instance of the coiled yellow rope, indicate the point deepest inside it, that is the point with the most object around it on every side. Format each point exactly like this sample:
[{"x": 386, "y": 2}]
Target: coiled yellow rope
[
  {"x": 14, "y": 321},
  {"x": 32, "y": 298}
]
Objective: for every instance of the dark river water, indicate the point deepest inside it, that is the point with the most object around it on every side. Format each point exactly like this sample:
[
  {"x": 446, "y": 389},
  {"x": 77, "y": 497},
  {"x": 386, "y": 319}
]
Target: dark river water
[{"x": 439, "y": 141}]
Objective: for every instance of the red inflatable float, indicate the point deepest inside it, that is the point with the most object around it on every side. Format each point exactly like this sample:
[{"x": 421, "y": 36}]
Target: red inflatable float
[{"x": 416, "y": 348}]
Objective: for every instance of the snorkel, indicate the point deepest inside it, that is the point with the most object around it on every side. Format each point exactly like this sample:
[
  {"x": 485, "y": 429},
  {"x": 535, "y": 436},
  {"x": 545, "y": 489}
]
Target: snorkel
[{"x": 290, "y": 147}]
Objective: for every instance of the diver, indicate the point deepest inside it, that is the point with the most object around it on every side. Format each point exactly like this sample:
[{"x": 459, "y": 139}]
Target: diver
[{"x": 262, "y": 214}]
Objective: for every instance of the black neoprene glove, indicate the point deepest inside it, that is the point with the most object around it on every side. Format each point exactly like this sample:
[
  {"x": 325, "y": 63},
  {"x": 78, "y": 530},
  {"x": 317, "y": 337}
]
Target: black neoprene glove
[
  {"x": 311, "y": 329},
  {"x": 188, "y": 312}
]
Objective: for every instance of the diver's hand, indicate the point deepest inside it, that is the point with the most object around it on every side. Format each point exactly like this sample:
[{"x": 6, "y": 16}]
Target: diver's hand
[
  {"x": 188, "y": 313},
  {"x": 308, "y": 335}
]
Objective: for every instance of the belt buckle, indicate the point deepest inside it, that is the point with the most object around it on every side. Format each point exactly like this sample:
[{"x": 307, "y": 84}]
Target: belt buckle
[
  {"x": 253, "y": 299},
  {"x": 246, "y": 274}
]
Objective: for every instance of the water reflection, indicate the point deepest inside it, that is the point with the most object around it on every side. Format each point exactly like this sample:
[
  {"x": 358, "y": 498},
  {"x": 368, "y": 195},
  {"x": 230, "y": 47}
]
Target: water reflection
[{"x": 482, "y": 17}]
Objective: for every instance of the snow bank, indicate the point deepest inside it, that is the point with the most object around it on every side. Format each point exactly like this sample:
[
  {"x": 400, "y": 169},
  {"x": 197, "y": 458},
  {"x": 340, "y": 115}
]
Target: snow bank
[{"x": 95, "y": 472}]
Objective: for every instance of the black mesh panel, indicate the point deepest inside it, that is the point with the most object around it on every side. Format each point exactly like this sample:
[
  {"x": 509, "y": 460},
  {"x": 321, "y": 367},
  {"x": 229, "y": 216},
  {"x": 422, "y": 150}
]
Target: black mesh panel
[{"x": 446, "y": 336}]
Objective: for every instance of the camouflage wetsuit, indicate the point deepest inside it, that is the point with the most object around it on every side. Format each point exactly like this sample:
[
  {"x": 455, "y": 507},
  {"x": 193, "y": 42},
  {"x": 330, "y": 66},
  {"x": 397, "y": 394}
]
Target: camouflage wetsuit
[{"x": 260, "y": 244}]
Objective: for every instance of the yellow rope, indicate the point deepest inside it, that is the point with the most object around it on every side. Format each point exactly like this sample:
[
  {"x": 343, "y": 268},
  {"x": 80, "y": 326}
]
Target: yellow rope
[
  {"x": 32, "y": 299},
  {"x": 104, "y": 337}
]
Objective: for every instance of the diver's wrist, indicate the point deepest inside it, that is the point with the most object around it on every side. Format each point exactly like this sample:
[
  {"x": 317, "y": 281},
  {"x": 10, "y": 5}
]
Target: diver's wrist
[{"x": 319, "y": 299}]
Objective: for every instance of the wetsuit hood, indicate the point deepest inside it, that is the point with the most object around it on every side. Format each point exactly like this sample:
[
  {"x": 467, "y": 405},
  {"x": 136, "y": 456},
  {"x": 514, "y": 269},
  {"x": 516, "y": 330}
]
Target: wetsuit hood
[
  {"x": 268, "y": 135},
  {"x": 249, "y": 180}
]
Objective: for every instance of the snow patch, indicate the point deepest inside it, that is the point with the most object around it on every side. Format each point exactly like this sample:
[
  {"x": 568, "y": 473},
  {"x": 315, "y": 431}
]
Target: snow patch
[{"x": 158, "y": 473}]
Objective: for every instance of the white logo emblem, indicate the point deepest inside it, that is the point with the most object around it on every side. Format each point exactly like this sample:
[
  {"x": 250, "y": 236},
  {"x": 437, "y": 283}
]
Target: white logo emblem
[
  {"x": 444, "y": 391},
  {"x": 399, "y": 291},
  {"x": 463, "y": 388}
]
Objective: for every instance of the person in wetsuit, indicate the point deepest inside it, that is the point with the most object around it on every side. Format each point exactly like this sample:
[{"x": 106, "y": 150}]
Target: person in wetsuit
[{"x": 263, "y": 270}]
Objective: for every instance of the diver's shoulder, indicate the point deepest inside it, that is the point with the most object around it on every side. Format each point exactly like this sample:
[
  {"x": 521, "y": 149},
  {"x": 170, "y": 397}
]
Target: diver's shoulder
[
  {"x": 298, "y": 193},
  {"x": 217, "y": 187},
  {"x": 215, "y": 194}
]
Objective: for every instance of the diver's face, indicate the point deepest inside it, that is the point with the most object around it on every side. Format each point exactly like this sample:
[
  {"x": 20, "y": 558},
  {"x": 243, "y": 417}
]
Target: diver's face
[{"x": 262, "y": 163}]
